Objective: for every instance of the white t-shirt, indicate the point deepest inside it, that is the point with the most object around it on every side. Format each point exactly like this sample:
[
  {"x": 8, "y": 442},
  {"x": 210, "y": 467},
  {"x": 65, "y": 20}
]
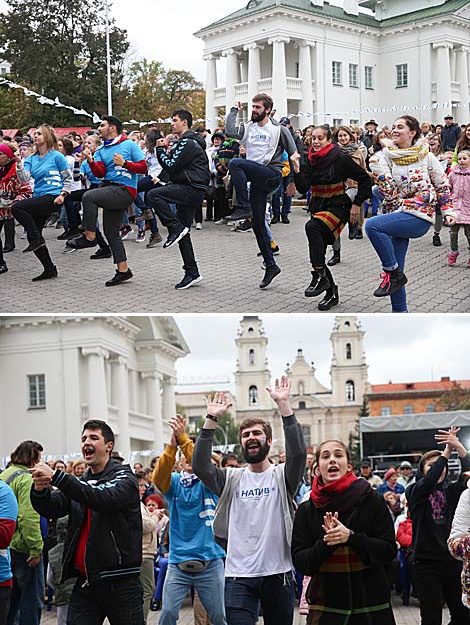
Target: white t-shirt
[
  {"x": 257, "y": 543},
  {"x": 259, "y": 142}
]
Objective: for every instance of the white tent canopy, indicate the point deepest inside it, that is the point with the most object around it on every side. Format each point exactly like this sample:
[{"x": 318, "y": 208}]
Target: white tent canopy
[{"x": 407, "y": 423}]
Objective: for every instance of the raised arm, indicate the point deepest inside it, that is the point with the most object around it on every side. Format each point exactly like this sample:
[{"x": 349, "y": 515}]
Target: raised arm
[
  {"x": 161, "y": 476},
  {"x": 231, "y": 128}
]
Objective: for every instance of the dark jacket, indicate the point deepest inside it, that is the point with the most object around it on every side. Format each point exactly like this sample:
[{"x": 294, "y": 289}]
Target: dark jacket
[
  {"x": 114, "y": 547},
  {"x": 187, "y": 161},
  {"x": 347, "y": 580},
  {"x": 430, "y": 536},
  {"x": 449, "y": 136}
]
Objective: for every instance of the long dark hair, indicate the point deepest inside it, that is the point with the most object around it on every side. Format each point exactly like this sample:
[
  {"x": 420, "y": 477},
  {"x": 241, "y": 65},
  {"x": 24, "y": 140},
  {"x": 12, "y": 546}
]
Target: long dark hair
[
  {"x": 464, "y": 142},
  {"x": 413, "y": 125}
]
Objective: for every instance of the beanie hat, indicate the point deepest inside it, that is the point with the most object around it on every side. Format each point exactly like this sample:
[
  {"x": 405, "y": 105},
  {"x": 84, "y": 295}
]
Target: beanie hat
[
  {"x": 389, "y": 473},
  {"x": 6, "y": 149}
]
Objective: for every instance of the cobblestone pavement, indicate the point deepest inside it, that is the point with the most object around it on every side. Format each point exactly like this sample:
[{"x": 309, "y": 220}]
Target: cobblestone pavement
[
  {"x": 408, "y": 615},
  {"x": 231, "y": 272}
]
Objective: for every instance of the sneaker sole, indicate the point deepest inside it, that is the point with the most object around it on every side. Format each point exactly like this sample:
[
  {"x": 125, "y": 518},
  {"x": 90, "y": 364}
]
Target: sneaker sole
[
  {"x": 182, "y": 234},
  {"x": 195, "y": 281}
]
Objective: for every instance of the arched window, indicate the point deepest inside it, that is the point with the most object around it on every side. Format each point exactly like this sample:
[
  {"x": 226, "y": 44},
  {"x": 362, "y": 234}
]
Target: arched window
[
  {"x": 347, "y": 324},
  {"x": 250, "y": 330},
  {"x": 350, "y": 392},
  {"x": 302, "y": 405},
  {"x": 253, "y": 396},
  {"x": 348, "y": 351},
  {"x": 251, "y": 357},
  {"x": 301, "y": 388}
]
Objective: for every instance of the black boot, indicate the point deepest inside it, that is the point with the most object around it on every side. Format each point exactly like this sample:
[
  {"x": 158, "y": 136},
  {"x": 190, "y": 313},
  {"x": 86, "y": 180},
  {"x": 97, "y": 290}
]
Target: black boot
[
  {"x": 9, "y": 235},
  {"x": 318, "y": 284},
  {"x": 335, "y": 259},
  {"x": 392, "y": 281},
  {"x": 331, "y": 299},
  {"x": 276, "y": 218}
]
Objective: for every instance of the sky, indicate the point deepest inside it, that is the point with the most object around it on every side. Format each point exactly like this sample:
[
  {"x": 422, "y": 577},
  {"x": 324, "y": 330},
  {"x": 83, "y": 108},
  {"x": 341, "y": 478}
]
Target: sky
[{"x": 400, "y": 348}]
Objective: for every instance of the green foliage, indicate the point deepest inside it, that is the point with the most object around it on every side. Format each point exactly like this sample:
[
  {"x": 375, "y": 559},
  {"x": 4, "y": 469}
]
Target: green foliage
[
  {"x": 355, "y": 446},
  {"x": 58, "y": 48},
  {"x": 457, "y": 399},
  {"x": 365, "y": 408}
]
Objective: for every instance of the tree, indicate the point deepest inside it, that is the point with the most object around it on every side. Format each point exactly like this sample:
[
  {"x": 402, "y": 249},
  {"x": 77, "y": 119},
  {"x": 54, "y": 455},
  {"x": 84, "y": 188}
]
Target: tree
[
  {"x": 153, "y": 92},
  {"x": 456, "y": 399},
  {"x": 58, "y": 48},
  {"x": 355, "y": 437}
]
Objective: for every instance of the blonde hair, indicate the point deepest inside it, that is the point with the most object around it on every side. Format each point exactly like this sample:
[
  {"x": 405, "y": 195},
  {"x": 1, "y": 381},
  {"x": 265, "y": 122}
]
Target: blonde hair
[{"x": 50, "y": 138}]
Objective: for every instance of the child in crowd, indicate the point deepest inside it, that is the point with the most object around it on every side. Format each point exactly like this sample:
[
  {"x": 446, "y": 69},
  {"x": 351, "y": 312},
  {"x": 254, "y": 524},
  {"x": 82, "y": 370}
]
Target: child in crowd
[{"x": 459, "y": 179}]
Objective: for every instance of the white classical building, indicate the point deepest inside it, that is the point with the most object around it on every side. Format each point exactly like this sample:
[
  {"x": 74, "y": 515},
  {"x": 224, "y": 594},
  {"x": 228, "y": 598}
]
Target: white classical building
[
  {"x": 322, "y": 62},
  {"x": 322, "y": 412},
  {"x": 57, "y": 372}
]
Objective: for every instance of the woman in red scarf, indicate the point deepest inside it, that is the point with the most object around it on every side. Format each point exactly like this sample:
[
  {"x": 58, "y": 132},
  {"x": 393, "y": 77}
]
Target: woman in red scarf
[
  {"x": 343, "y": 538},
  {"x": 11, "y": 190},
  {"x": 325, "y": 173}
]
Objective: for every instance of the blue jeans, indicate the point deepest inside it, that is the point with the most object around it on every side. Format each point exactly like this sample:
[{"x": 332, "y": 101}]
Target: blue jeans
[
  {"x": 162, "y": 569},
  {"x": 28, "y": 591},
  {"x": 209, "y": 585},
  {"x": 263, "y": 180},
  {"x": 274, "y": 592},
  {"x": 390, "y": 235},
  {"x": 377, "y": 197},
  {"x": 286, "y": 199}
]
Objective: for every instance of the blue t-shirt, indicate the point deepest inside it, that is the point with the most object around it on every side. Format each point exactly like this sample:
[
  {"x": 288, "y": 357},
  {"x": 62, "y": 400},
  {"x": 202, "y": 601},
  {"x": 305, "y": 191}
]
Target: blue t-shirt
[
  {"x": 9, "y": 511},
  {"x": 130, "y": 151},
  {"x": 45, "y": 170},
  {"x": 191, "y": 517},
  {"x": 87, "y": 173}
]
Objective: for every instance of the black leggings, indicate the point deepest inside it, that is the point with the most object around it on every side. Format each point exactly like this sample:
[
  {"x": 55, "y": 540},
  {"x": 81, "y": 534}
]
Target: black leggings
[{"x": 32, "y": 214}]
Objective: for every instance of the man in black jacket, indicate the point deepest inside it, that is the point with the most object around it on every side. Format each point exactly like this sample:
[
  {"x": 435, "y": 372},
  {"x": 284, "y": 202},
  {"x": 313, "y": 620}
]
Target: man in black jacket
[
  {"x": 450, "y": 134},
  {"x": 188, "y": 168},
  {"x": 104, "y": 538},
  {"x": 431, "y": 503}
]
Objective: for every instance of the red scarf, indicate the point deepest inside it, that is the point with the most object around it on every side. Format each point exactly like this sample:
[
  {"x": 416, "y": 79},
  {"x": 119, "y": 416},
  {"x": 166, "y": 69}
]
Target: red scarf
[
  {"x": 325, "y": 156},
  {"x": 322, "y": 494}
]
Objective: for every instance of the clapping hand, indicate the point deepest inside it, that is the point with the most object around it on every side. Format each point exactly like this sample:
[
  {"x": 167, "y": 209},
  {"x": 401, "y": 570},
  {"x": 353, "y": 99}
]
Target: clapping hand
[
  {"x": 335, "y": 532},
  {"x": 178, "y": 427},
  {"x": 218, "y": 405},
  {"x": 450, "y": 440}
]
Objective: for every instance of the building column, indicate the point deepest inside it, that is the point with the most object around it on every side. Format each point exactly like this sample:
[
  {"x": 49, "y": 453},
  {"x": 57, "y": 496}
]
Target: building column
[
  {"x": 254, "y": 70},
  {"x": 154, "y": 406},
  {"x": 231, "y": 78},
  {"x": 305, "y": 73},
  {"x": 320, "y": 82},
  {"x": 244, "y": 70},
  {"x": 211, "y": 86},
  {"x": 168, "y": 406},
  {"x": 120, "y": 399},
  {"x": 462, "y": 78},
  {"x": 97, "y": 395},
  {"x": 279, "y": 75},
  {"x": 443, "y": 78}
]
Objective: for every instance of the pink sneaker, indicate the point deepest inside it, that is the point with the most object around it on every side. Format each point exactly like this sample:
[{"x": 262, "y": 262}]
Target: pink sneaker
[{"x": 452, "y": 258}]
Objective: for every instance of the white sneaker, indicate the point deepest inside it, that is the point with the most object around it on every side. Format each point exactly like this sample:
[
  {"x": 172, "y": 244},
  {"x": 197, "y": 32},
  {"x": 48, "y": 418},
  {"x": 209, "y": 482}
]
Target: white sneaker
[{"x": 198, "y": 226}]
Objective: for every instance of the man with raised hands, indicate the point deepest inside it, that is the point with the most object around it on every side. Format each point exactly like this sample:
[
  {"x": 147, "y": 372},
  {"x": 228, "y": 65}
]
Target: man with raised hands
[{"x": 253, "y": 520}]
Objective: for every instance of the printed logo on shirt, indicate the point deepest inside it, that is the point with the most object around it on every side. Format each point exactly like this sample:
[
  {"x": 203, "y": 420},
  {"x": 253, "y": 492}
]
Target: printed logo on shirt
[
  {"x": 256, "y": 493},
  {"x": 208, "y": 512},
  {"x": 260, "y": 137}
]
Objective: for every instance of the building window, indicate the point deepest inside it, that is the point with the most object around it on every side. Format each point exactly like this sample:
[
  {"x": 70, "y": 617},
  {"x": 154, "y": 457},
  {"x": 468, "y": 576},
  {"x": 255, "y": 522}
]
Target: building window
[
  {"x": 386, "y": 411},
  {"x": 337, "y": 122},
  {"x": 353, "y": 75},
  {"x": 251, "y": 357},
  {"x": 301, "y": 388},
  {"x": 302, "y": 405},
  {"x": 250, "y": 330},
  {"x": 368, "y": 77},
  {"x": 3, "y": 70},
  {"x": 37, "y": 391},
  {"x": 354, "y": 122},
  {"x": 430, "y": 407},
  {"x": 336, "y": 73},
  {"x": 402, "y": 75},
  {"x": 348, "y": 351},
  {"x": 306, "y": 433},
  {"x": 408, "y": 409},
  {"x": 350, "y": 392},
  {"x": 193, "y": 424},
  {"x": 253, "y": 396}
]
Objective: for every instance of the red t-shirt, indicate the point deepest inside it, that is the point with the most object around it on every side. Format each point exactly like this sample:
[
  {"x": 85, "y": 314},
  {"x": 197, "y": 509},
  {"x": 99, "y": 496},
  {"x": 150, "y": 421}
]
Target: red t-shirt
[{"x": 79, "y": 559}]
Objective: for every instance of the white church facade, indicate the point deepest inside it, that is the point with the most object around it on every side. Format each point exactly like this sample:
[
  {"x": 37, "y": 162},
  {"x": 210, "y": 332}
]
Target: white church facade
[
  {"x": 341, "y": 65},
  {"x": 58, "y": 372}
]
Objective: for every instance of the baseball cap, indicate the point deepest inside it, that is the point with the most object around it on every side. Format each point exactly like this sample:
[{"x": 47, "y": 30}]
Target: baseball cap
[
  {"x": 449, "y": 117},
  {"x": 366, "y": 463},
  {"x": 284, "y": 121},
  {"x": 406, "y": 465}
]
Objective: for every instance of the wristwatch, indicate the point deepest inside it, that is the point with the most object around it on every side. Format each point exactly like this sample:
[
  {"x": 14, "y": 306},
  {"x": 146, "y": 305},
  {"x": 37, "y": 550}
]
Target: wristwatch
[{"x": 209, "y": 416}]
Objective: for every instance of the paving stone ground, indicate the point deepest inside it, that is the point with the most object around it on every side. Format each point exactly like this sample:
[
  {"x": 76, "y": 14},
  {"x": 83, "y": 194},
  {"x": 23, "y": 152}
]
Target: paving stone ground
[
  {"x": 404, "y": 615},
  {"x": 231, "y": 272}
]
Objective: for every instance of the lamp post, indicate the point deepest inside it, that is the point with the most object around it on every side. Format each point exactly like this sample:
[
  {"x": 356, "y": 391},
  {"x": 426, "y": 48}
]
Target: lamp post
[{"x": 108, "y": 62}]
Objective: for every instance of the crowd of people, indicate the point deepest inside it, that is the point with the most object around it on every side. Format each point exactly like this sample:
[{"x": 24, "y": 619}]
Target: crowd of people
[
  {"x": 405, "y": 180},
  {"x": 249, "y": 536}
]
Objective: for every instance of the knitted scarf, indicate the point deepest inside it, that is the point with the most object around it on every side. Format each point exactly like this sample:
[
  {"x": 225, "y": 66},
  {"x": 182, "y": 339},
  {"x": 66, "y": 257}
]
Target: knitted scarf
[
  {"x": 324, "y": 157},
  {"x": 187, "y": 480},
  {"x": 407, "y": 156},
  {"x": 350, "y": 148},
  {"x": 342, "y": 496}
]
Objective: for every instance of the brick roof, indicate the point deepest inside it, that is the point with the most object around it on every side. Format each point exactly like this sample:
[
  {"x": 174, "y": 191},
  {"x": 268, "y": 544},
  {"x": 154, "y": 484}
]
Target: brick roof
[{"x": 403, "y": 387}]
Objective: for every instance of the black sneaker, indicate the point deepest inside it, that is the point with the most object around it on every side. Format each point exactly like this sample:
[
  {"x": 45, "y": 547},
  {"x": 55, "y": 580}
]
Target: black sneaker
[
  {"x": 81, "y": 242},
  {"x": 392, "y": 281},
  {"x": 155, "y": 605},
  {"x": 3, "y": 268},
  {"x": 119, "y": 277},
  {"x": 334, "y": 260},
  {"x": 353, "y": 229},
  {"x": 276, "y": 219},
  {"x": 70, "y": 233},
  {"x": 241, "y": 212},
  {"x": 436, "y": 240},
  {"x": 100, "y": 254},
  {"x": 330, "y": 299},
  {"x": 34, "y": 245},
  {"x": 275, "y": 250},
  {"x": 318, "y": 284},
  {"x": 8, "y": 248},
  {"x": 285, "y": 219},
  {"x": 188, "y": 281},
  {"x": 174, "y": 237},
  {"x": 245, "y": 226},
  {"x": 270, "y": 273},
  {"x": 47, "y": 274},
  {"x": 359, "y": 234}
]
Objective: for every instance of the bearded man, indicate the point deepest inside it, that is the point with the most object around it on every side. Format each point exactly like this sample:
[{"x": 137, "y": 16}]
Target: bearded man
[{"x": 253, "y": 520}]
